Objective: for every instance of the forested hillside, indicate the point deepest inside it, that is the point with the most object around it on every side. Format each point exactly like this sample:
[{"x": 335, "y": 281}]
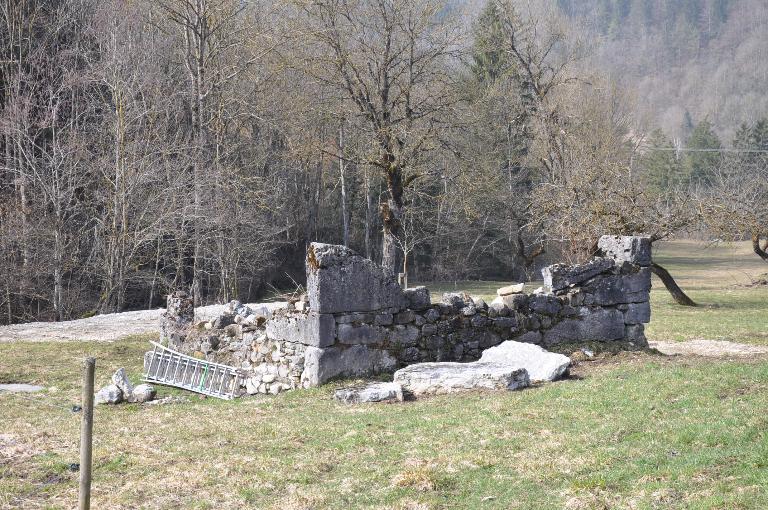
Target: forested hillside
[
  {"x": 156, "y": 145},
  {"x": 686, "y": 60}
]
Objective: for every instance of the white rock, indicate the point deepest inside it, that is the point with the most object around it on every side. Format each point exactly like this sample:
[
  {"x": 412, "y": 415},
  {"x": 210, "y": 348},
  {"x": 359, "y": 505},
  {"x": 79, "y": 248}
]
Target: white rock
[
  {"x": 376, "y": 392},
  {"x": 541, "y": 365},
  {"x": 252, "y": 386},
  {"x": 437, "y": 378},
  {"x": 109, "y": 395},
  {"x": 275, "y": 388},
  {"x": 516, "y": 288},
  {"x": 142, "y": 393},
  {"x": 120, "y": 379}
]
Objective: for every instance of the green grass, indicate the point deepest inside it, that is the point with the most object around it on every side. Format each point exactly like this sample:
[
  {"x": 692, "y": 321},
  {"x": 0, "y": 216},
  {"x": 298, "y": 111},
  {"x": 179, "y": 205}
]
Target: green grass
[{"x": 636, "y": 431}]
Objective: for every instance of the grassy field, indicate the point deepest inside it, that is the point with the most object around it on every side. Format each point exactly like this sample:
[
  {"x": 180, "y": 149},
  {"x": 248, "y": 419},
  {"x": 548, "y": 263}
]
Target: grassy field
[{"x": 636, "y": 431}]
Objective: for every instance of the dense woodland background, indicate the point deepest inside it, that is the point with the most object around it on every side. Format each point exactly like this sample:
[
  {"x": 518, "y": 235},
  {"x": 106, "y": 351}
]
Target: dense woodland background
[{"x": 151, "y": 145}]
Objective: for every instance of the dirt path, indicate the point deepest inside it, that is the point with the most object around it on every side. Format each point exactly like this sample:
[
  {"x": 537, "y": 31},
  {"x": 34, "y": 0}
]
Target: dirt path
[
  {"x": 107, "y": 327},
  {"x": 709, "y": 348}
]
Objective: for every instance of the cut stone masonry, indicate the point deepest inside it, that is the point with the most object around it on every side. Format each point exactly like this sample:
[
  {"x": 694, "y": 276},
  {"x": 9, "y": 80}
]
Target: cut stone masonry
[{"x": 355, "y": 320}]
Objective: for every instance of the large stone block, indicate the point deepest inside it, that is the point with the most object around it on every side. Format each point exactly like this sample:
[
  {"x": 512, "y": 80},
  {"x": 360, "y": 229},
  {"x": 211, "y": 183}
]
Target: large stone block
[
  {"x": 322, "y": 365},
  {"x": 544, "y": 303},
  {"x": 417, "y": 298},
  {"x": 632, "y": 249},
  {"x": 561, "y": 276},
  {"x": 361, "y": 334},
  {"x": 339, "y": 280},
  {"x": 314, "y": 329},
  {"x": 618, "y": 289},
  {"x": 637, "y": 313},
  {"x": 540, "y": 364},
  {"x": 593, "y": 324},
  {"x": 438, "y": 378}
]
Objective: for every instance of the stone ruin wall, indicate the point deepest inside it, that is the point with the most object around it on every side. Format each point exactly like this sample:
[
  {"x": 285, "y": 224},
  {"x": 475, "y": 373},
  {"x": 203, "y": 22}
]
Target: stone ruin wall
[{"x": 355, "y": 320}]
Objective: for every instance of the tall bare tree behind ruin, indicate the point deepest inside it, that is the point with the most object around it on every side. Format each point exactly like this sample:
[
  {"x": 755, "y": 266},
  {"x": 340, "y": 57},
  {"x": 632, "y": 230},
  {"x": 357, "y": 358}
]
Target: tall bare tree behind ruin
[{"x": 390, "y": 59}]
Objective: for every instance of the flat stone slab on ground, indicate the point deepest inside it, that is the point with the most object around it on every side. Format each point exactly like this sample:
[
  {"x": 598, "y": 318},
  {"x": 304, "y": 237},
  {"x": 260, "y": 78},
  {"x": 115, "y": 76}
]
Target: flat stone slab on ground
[
  {"x": 541, "y": 365},
  {"x": 516, "y": 288},
  {"x": 20, "y": 388},
  {"x": 448, "y": 377},
  {"x": 375, "y": 392},
  {"x": 708, "y": 348}
]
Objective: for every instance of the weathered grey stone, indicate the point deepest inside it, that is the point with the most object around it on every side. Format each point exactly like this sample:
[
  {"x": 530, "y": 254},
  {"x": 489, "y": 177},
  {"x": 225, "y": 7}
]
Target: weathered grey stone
[
  {"x": 544, "y": 303},
  {"x": 360, "y": 334},
  {"x": 499, "y": 307},
  {"x": 619, "y": 289},
  {"x": 176, "y": 321},
  {"x": 561, "y": 276},
  {"x": 321, "y": 365},
  {"x": 349, "y": 318},
  {"x": 339, "y": 280},
  {"x": 515, "y": 288},
  {"x": 428, "y": 329},
  {"x": 252, "y": 385},
  {"x": 314, "y": 329},
  {"x": 531, "y": 337},
  {"x": 405, "y": 335},
  {"x": 505, "y": 322},
  {"x": 480, "y": 321},
  {"x": 594, "y": 324},
  {"x": 404, "y": 317},
  {"x": 638, "y": 313},
  {"x": 635, "y": 334},
  {"x": 120, "y": 379},
  {"x": 439, "y": 378},
  {"x": 375, "y": 392},
  {"x": 383, "y": 319},
  {"x": 417, "y": 298},
  {"x": 110, "y": 394},
  {"x": 457, "y": 300},
  {"x": 432, "y": 315},
  {"x": 632, "y": 249},
  {"x": 485, "y": 339},
  {"x": 469, "y": 311},
  {"x": 540, "y": 364},
  {"x": 480, "y": 304},
  {"x": 142, "y": 393}
]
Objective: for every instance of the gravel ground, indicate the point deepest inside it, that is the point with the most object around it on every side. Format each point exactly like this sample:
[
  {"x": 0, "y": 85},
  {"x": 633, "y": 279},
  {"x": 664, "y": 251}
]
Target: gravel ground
[
  {"x": 107, "y": 327},
  {"x": 709, "y": 348}
]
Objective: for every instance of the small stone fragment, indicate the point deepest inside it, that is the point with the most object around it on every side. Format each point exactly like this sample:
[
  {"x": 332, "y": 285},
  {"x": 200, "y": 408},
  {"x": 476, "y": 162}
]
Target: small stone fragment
[
  {"x": 142, "y": 393},
  {"x": 516, "y": 288},
  {"x": 110, "y": 394},
  {"x": 120, "y": 379},
  {"x": 376, "y": 392}
]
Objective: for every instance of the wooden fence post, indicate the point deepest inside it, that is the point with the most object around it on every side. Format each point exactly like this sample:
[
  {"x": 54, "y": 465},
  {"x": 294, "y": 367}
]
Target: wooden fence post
[{"x": 86, "y": 434}]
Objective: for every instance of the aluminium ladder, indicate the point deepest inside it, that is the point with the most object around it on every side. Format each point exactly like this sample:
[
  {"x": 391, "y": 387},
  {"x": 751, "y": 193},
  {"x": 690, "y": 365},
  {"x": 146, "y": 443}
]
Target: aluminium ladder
[{"x": 171, "y": 368}]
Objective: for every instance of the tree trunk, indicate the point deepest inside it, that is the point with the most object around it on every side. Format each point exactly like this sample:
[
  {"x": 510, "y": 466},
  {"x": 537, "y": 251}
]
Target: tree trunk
[
  {"x": 759, "y": 250},
  {"x": 344, "y": 211},
  {"x": 368, "y": 215},
  {"x": 391, "y": 215},
  {"x": 677, "y": 293}
]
